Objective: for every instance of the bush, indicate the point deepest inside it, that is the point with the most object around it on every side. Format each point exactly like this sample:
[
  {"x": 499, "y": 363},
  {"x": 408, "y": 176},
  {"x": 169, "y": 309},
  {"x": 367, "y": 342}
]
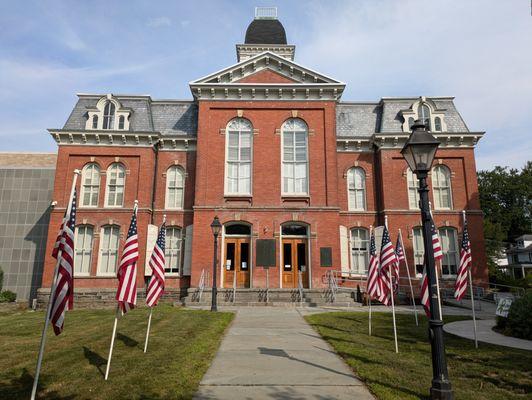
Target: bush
[
  {"x": 519, "y": 323},
  {"x": 7, "y": 296}
]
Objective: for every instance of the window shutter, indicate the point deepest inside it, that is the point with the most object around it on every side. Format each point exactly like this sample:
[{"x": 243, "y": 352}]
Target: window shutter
[
  {"x": 344, "y": 250},
  {"x": 187, "y": 259},
  {"x": 153, "y": 231}
]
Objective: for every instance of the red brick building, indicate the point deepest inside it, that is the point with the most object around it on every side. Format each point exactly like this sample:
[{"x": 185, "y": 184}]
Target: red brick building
[{"x": 295, "y": 174}]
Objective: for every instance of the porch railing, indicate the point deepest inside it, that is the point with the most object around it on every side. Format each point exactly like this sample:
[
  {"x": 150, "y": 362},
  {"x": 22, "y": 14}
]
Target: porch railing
[{"x": 300, "y": 288}]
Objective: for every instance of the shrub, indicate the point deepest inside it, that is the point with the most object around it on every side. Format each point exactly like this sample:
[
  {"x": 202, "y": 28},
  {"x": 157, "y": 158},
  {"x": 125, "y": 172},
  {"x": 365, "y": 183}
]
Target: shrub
[
  {"x": 519, "y": 322},
  {"x": 7, "y": 296}
]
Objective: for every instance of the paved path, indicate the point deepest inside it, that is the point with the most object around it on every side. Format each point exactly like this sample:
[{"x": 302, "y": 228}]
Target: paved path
[
  {"x": 485, "y": 333},
  {"x": 272, "y": 353}
]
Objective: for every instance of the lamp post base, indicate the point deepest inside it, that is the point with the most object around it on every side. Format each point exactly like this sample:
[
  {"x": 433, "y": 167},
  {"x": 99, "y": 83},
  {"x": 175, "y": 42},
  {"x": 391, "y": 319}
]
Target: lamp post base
[{"x": 441, "y": 393}]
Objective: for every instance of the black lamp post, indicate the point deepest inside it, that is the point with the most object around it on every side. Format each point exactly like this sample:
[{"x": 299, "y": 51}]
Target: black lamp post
[
  {"x": 419, "y": 151},
  {"x": 216, "y": 227}
]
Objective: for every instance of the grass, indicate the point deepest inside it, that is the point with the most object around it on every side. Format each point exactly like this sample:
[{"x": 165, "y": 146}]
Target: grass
[
  {"x": 491, "y": 372},
  {"x": 182, "y": 345}
]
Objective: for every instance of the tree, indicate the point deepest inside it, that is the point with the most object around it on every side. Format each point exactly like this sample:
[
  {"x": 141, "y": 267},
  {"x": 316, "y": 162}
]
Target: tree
[{"x": 506, "y": 201}]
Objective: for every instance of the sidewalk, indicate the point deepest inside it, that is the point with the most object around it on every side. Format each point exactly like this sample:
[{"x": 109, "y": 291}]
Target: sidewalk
[
  {"x": 272, "y": 353},
  {"x": 485, "y": 334}
]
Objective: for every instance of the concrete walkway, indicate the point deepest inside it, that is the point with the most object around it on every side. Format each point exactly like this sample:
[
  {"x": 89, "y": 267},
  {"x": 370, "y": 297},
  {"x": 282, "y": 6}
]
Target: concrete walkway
[
  {"x": 485, "y": 333},
  {"x": 272, "y": 353}
]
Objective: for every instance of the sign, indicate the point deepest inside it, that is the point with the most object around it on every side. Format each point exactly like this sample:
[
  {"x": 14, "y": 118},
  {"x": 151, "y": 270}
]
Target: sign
[
  {"x": 326, "y": 256},
  {"x": 503, "y": 307},
  {"x": 228, "y": 265},
  {"x": 265, "y": 253}
]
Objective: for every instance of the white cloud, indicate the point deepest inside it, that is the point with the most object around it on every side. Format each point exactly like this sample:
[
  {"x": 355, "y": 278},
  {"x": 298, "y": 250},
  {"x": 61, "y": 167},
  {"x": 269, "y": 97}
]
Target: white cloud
[{"x": 159, "y": 22}]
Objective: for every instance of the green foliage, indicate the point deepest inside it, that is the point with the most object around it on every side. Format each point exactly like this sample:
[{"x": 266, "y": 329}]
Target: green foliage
[
  {"x": 1, "y": 278},
  {"x": 506, "y": 201},
  {"x": 519, "y": 323},
  {"x": 7, "y": 296}
]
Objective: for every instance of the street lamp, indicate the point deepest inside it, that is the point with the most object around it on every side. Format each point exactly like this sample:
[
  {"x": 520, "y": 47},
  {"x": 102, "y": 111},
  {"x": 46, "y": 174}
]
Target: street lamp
[
  {"x": 419, "y": 151},
  {"x": 216, "y": 227}
]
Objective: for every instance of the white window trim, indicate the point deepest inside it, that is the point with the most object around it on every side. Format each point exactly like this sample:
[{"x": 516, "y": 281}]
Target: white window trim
[
  {"x": 106, "y": 202},
  {"x": 82, "y": 191},
  {"x": 99, "y": 109},
  {"x": 83, "y": 274},
  {"x": 99, "y": 264},
  {"x": 352, "y": 271},
  {"x": 408, "y": 188},
  {"x": 167, "y": 193},
  {"x": 456, "y": 253},
  {"x": 226, "y": 163},
  {"x": 349, "y": 202},
  {"x": 438, "y": 207},
  {"x": 295, "y": 194},
  {"x": 414, "y": 250},
  {"x": 180, "y": 265}
]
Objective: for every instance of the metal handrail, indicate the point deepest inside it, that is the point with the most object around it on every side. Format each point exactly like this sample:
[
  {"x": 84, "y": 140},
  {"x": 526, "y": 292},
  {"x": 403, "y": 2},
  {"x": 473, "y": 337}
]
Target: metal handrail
[
  {"x": 201, "y": 284},
  {"x": 234, "y": 287},
  {"x": 300, "y": 287},
  {"x": 332, "y": 282}
]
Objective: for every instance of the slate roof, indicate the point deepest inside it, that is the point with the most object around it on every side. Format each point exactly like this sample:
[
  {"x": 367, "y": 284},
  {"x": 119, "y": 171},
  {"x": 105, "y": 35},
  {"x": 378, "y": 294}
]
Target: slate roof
[
  {"x": 175, "y": 118},
  {"x": 357, "y": 119}
]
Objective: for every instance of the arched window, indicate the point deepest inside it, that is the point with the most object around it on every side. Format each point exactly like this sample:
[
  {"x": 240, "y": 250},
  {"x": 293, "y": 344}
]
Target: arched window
[
  {"x": 413, "y": 187},
  {"x": 419, "y": 249},
  {"x": 121, "y": 120},
  {"x": 116, "y": 179},
  {"x": 359, "y": 245},
  {"x": 238, "y": 157},
  {"x": 90, "y": 185},
  {"x": 109, "y": 116},
  {"x": 449, "y": 245},
  {"x": 238, "y": 230},
  {"x": 108, "y": 257},
  {"x": 294, "y": 229},
  {"x": 172, "y": 251},
  {"x": 423, "y": 113},
  {"x": 94, "y": 122},
  {"x": 295, "y": 157},
  {"x": 175, "y": 187},
  {"x": 437, "y": 124},
  {"x": 83, "y": 250},
  {"x": 356, "y": 187},
  {"x": 441, "y": 187}
]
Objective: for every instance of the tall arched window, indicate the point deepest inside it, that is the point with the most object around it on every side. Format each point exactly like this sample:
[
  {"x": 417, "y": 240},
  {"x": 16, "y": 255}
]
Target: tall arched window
[
  {"x": 94, "y": 122},
  {"x": 441, "y": 187},
  {"x": 90, "y": 185},
  {"x": 356, "y": 188},
  {"x": 419, "y": 249},
  {"x": 413, "y": 187},
  {"x": 172, "y": 251},
  {"x": 238, "y": 168},
  {"x": 437, "y": 124},
  {"x": 359, "y": 245},
  {"x": 449, "y": 245},
  {"x": 108, "y": 257},
  {"x": 83, "y": 250},
  {"x": 295, "y": 157},
  {"x": 423, "y": 113},
  {"x": 175, "y": 187},
  {"x": 109, "y": 116},
  {"x": 116, "y": 179}
]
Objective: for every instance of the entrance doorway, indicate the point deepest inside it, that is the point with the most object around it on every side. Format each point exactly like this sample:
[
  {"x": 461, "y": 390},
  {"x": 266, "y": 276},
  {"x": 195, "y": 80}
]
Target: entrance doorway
[
  {"x": 237, "y": 256},
  {"x": 295, "y": 262}
]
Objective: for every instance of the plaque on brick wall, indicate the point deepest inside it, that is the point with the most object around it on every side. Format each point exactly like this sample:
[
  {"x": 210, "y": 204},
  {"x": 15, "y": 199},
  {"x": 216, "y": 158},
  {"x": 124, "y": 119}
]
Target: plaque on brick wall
[
  {"x": 326, "y": 256},
  {"x": 265, "y": 253}
]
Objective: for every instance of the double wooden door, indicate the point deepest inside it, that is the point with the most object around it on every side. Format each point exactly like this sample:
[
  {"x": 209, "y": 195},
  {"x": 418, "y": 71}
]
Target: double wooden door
[
  {"x": 237, "y": 262},
  {"x": 295, "y": 261}
]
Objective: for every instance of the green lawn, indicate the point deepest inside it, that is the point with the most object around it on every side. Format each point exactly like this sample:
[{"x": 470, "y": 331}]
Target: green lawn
[
  {"x": 182, "y": 345},
  {"x": 491, "y": 372}
]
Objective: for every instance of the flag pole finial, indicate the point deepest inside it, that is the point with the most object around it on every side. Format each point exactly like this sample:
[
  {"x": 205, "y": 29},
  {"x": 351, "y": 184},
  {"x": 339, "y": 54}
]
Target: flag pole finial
[{"x": 164, "y": 218}]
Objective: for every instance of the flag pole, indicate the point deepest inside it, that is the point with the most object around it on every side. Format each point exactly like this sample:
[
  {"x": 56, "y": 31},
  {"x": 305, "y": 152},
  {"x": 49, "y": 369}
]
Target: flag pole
[
  {"x": 392, "y": 295},
  {"x": 472, "y": 293},
  {"x": 409, "y": 278},
  {"x": 112, "y": 343},
  {"x": 369, "y": 296},
  {"x": 436, "y": 270},
  {"x": 52, "y": 290},
  {"x": 151, "y": 310}
]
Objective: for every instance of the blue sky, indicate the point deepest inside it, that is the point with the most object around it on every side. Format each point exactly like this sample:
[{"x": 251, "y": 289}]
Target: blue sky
[{"x": 477, "y": 50}]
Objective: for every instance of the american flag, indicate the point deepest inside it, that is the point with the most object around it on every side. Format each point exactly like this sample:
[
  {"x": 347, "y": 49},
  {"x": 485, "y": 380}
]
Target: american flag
[
  {"x": 388, "y": 259},
  {"x": 460, "y": 285},
  {"x": 63, "y": 296},
  {"x": 127, "y": 270},
  {"x": 373, "y": 270},
  {"x": 438, "y": 255},
  {"x": 436, "y": 245},
  {"x": 156, "y": 286}
]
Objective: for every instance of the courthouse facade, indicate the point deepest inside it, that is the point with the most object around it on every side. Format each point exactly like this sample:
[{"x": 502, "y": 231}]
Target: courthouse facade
[{"x": 296, "y": 175}]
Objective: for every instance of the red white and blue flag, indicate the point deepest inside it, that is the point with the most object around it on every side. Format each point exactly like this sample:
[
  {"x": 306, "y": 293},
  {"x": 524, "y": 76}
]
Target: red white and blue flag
[
  {"x": 460, "y": 285},
  {"x": 373, "y": 270},
  {"x": 157, "y": 260},
  {"x": 63, "y": 296},
  {"x": 127, "y": 270},
  {"x": 438, "y": 255},
  {"x": 389, "y": 262}
]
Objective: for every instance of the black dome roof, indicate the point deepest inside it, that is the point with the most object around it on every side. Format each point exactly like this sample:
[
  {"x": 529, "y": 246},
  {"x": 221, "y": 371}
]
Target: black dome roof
[{"x": 265, "y": 31}]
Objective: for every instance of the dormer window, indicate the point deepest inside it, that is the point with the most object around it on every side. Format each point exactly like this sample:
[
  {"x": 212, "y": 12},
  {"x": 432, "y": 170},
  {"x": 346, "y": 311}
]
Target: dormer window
[
  {"x": 427, "y": 112},
  {"x": 109, "y": 116},
  {"x": 423, "y": 114}
]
